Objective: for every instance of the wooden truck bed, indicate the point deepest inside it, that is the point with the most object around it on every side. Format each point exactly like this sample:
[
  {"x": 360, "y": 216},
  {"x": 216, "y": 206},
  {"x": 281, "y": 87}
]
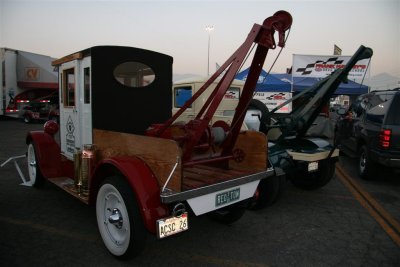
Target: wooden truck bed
[
  {"x": 202, "y": 175},
  {"x": 162, "y": 154}
]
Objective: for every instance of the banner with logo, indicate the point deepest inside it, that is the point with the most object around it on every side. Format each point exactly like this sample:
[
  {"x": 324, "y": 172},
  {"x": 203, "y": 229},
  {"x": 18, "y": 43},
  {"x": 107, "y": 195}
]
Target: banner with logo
[
  {"x": 274, "y": 99},
  {"x": 312, "y": 66}
]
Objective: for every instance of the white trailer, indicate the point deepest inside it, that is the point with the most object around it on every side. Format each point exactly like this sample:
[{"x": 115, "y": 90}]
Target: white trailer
[
  {"x": 24, "y": 77},
  {"x": 8, "y": 78}
]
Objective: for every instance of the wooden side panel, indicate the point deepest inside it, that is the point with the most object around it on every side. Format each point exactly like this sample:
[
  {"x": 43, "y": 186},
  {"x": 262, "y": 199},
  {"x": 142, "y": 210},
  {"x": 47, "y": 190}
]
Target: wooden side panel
[
  {"x": 203, "y": 175},
  {"x": 255, "y": 151},
  {"x": 159, "y": 154}
]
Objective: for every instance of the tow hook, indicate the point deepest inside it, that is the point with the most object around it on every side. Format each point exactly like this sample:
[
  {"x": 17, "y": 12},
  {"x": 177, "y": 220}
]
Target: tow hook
[{"x": 178, "y": 210}]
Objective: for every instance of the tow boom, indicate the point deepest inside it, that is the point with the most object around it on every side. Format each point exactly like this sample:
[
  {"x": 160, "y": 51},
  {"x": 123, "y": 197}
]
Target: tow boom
[
  {"x": 198, "y": 129},
  {"x": 315, "y": 98}
]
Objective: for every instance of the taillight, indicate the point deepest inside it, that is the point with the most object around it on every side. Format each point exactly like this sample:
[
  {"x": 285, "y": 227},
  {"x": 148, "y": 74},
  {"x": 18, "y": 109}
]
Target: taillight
[{"x": 384, "y": 138}]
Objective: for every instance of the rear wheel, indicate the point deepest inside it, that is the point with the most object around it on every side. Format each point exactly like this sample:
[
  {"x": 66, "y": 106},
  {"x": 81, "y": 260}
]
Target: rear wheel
[
  {"x": 118, "y": 218},
  {"x": 268, "y": 192},
  {"x": 35, "y": 176},
  {"x": 317, "y": 179},
  {"x": 229, "y": 214},
  {"x": 366, "y": 167}
]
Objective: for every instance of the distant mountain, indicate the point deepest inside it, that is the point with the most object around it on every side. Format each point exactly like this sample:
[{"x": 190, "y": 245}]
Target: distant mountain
[{"x": 383, "y": 81}]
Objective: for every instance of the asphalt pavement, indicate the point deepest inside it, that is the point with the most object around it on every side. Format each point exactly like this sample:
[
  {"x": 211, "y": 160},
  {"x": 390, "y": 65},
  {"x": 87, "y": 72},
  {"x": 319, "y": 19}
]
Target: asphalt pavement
[{"x": 325, "y": 227}]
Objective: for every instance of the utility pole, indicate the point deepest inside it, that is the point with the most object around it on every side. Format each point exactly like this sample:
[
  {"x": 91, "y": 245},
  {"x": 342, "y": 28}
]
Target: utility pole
[{"x": 209, "y": 29}]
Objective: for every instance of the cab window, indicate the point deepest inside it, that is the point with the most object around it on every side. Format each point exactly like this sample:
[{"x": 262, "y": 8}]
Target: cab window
[
  {"x": 68, "y": 87},
  {"x": 134, "y": 74}
]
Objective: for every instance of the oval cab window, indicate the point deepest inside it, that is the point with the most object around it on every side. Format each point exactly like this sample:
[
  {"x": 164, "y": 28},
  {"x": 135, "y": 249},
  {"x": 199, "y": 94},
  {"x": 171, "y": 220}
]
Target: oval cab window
[{"x": 134, "y": 74}]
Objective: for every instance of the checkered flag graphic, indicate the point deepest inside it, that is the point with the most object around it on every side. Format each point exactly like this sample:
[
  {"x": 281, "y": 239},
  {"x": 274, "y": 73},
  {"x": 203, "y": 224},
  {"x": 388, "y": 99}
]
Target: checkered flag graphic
[
  {"x": 308, "y": 69},
  {"x": 276, "y": 96}
]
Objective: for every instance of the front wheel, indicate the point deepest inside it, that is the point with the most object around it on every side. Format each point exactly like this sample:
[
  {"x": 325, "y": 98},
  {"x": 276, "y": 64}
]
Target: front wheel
[
  {"x": 314, "y": 180},
  {"x": 35, "y": 176},
  {"x": 118, "y": 217}
]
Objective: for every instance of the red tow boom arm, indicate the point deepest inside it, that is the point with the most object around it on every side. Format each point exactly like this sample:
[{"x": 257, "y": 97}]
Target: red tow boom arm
[{"x": 263, "y": 36}]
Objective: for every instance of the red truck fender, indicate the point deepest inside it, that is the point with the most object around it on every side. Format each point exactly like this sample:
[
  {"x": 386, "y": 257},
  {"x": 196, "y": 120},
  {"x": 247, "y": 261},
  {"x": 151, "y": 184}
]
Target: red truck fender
[
  {"x": 48, "y": 153},
  {"x": 142, "y": 181}
]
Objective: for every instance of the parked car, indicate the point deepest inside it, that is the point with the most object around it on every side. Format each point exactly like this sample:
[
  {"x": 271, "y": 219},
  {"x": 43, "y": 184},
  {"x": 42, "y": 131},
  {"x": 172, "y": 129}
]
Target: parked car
[
  {"x": 39, "y": 111},
  {"x": 370, "y": 130}
]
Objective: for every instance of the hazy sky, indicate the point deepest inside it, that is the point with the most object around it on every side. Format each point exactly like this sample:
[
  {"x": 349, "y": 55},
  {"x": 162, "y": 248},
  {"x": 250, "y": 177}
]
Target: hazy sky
[{"x": 177, "y": 28}]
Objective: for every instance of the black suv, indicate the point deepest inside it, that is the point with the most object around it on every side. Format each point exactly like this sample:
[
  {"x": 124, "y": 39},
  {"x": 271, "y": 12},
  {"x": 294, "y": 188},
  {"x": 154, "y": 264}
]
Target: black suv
[{"x": 370, "y": 130}]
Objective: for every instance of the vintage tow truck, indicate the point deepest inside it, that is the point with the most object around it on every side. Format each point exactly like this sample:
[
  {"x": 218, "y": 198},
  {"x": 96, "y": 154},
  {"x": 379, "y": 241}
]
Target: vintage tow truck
[
  {"x": 144, "y": 168},
  {"x": 119, "y": 148}
]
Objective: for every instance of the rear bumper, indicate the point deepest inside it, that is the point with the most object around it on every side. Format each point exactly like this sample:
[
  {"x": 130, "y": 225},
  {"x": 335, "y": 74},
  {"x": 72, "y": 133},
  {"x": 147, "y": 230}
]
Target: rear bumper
[
  {"x": 169, "y": 196},
  {"x": 386, "y": 159},
  {"x": 314, "y": 155}
]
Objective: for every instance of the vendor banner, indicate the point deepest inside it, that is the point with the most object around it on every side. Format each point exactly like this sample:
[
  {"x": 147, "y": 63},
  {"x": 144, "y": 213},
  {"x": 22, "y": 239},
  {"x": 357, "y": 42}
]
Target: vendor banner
[
  {"x": 274, "y": 99},
  {"x": 313, "y": 66}
]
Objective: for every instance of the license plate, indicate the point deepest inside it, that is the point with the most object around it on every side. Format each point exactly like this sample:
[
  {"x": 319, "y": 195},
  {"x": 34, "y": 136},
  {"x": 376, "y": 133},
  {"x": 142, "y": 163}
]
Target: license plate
[
  {"x": 313, "y": 166},
  {"x": 227, "y": 197},
  {"x": 35, "y": 115},
  {"x": 172, "y": 225}
]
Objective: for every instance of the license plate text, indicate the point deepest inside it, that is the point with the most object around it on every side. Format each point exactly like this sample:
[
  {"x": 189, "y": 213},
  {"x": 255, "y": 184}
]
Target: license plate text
[
  {"x": 173, "y": 225},
  {"x": 227, "y": 197}
]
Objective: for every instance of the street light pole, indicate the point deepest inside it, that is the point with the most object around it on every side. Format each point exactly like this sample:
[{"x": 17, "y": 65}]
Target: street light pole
[{"x": 209, "y": 28}]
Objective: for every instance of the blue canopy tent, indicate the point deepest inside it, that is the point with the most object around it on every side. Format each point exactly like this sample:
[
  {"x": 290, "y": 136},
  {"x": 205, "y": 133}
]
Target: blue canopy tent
[
  {"x": 267, "y": 82},
  {"x": 300, "y": 84},
  {"x": 349, "y": 88}
]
